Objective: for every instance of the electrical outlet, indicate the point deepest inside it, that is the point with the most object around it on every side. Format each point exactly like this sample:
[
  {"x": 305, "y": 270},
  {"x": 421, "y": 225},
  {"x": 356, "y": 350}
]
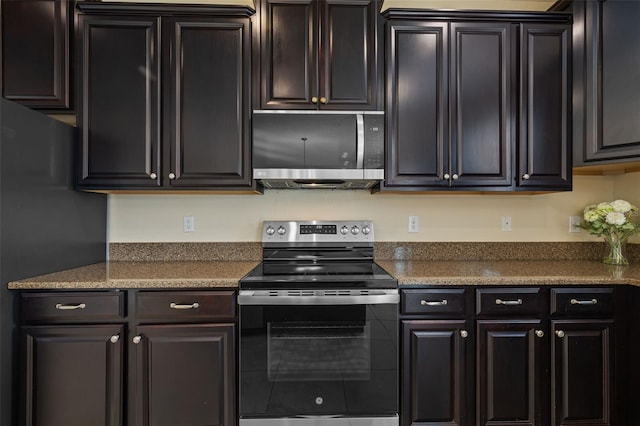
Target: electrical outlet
[
  {"x": 506, "y": 223},
  {"x": 188, "y": 224},
  {"x": 574, "y": 222},
  {"x": 414, "y": 224}
]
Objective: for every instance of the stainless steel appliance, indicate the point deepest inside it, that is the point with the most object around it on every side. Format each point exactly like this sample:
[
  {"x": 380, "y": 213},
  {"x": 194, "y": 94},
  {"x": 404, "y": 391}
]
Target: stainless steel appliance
[
  {"x": 318, "y": 329},
  {"x": 318, "y": 149}
]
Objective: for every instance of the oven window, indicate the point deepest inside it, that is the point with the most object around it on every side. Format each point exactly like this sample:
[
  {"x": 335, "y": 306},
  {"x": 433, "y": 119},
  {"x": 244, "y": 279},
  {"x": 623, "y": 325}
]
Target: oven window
[{"x": 304, "y": 351}]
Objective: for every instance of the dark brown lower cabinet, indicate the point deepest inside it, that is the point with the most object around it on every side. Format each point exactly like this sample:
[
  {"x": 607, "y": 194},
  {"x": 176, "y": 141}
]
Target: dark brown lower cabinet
[
  {"x": 511, "y": 377},
  {"x": 534, "y": 356},
  {"x": 73, "y": 375},
  {"x": 87, "y": 358},
  {"x": 185, "y": 375},
  {"x": 434, "y": 373},
  {"x": 583, "y": 372}
]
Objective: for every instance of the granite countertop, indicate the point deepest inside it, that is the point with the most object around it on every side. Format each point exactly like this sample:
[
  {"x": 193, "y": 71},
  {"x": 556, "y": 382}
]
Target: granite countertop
[
  {"x": 505, "y": 272},
  {"x": 227, "y": 273},
  {"x": 143, "y": 274}
]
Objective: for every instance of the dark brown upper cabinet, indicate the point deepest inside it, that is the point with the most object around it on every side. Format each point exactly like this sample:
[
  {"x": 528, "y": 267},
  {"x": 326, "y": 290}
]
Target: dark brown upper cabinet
[
  {"x": 606, "y": 82},
  {"x": 36, "y": 39},
  {"x": 460, "y": 116},
  {"x": 318, "y": 54},
  {"x": 544, "y": 145},
  {"x": 164, "y": 98}
]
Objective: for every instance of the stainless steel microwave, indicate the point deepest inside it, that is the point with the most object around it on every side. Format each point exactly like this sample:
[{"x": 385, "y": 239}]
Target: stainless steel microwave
[{"x": 318, "y": 149}]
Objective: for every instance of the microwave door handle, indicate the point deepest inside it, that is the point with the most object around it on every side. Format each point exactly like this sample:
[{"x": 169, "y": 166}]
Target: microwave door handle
[{"x": 360, "y": 141}]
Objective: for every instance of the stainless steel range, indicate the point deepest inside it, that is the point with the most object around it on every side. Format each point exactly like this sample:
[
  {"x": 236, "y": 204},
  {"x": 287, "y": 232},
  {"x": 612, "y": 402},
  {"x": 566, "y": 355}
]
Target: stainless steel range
[{"x": 318, "y": 329}]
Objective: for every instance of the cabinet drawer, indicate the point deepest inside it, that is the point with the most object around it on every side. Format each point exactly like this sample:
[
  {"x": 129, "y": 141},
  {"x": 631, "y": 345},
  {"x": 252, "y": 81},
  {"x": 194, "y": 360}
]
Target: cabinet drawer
[
  {"x": 188, "y": 305},
  {"x": 433, "y": 302},
  {"x": 582, "y": 301},
  {"x": 72, "y": 306},
  {"x": 509, "y": 301}
]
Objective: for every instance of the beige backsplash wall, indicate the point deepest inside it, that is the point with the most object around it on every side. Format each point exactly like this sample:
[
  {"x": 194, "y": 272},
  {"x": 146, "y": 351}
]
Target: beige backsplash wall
[{"x": 238, "y": 218}]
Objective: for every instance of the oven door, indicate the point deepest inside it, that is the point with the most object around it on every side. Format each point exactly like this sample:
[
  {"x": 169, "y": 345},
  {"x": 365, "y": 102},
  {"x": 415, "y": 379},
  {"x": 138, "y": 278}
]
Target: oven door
[{"x": 316, "y": 358}]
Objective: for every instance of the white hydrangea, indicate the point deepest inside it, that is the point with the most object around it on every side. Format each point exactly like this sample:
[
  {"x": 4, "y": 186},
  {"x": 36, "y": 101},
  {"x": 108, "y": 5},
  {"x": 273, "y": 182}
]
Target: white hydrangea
[
  {"x": 621, "y": 206},
  {"x": 605, "y": 207},
  {"x": 591, "y": 215},
  {"x": 616, "y": 218}
]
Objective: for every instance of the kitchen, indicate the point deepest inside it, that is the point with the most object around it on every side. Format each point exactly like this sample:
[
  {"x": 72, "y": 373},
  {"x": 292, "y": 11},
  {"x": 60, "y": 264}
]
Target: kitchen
[{"x": 442, "y": 218}]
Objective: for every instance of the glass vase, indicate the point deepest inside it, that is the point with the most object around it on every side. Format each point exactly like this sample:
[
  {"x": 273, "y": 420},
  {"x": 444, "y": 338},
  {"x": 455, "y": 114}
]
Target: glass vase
[{"x": 616, "y": 250}]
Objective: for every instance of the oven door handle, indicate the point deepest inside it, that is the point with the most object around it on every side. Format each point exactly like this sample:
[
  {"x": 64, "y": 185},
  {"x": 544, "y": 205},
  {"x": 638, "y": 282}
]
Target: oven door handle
[{"x": 382, "y": 297}]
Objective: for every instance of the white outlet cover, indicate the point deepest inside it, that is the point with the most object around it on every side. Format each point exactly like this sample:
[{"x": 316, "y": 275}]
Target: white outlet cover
[{"x": 188, "y": 224}]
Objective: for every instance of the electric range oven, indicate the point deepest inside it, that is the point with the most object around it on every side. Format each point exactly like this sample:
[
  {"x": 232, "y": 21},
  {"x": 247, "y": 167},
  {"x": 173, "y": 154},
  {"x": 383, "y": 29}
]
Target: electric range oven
[{"x": 318, "y": 329}]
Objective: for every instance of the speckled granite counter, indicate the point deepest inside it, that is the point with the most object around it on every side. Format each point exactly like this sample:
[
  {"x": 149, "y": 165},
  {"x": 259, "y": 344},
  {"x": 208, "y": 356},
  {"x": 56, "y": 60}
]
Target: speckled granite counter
[
  {"x": 210, "y": 265},
  {"x": 504, "y": 272},
  {"x": 194, "y": 274},
  {"x": 213, "y": 274}
]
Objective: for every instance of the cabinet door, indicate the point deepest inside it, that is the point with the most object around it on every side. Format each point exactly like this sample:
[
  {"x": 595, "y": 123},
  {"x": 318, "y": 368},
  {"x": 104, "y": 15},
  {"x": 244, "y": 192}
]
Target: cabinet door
[
  {"x": 72, "y": 375},
  {"x": 35, "y": 52},
  {"x": 185, "y": 375},
  {"x": 288, "y": 59},
  {"x": 208, "y": 107},
  {"x": 416, "y": 118},
  {"x": 482, "y": 75},
  {"x": 607, "y": 81},
  {"x": 349, "y": 54},
  {"x": 118, "y": 113},
  {"x": 582, "y": 372},
  {"x": 433, "y": 372},
  {"x": 510, "y": 373},
  {"x": 545, "y": 92}
]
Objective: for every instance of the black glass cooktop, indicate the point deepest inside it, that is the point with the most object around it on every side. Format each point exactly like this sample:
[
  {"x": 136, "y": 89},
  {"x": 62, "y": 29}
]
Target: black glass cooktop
[{"x": 301, "y": 274}]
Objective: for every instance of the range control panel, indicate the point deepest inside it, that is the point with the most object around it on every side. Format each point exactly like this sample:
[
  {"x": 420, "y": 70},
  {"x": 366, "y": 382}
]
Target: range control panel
[{"x": 341, "y": 231}]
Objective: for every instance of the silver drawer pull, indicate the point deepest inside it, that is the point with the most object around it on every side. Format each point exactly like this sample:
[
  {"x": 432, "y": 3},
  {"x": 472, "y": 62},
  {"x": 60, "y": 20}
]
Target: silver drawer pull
[
  {"x": 70, "y": 307},
  {"x": 137, "y": 339},
  {"x": 508, "y": 302},
  {"x": 433, "y": 302},
  {"x": 114, "y": 338},
  {"x": 584, "y": 302},
  {"x": 195, "y": 305}
]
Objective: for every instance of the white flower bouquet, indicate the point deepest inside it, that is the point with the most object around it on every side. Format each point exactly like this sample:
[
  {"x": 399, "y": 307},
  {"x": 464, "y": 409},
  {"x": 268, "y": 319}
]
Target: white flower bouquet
[{"x": 615, "y": 222}]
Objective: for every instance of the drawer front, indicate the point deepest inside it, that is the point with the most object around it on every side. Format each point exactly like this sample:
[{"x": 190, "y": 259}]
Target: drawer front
[
  {"x": 525, "y": 301},
  {"x": 187, "y": 305},
  {"x": 72, "y": 306},
  {"x": 433, "y": 302},
  {"x": 582, "y": 301}
]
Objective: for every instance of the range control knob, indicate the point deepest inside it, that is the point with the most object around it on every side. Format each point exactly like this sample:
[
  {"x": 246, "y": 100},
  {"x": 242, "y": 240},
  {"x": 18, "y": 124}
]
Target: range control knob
[
  {"x": 270, "y": 230},
  {"x": 355, "y": 230},
  {"x": 281, "y": 230},
  {"x": 344, "y": 230},
  {"x": 366, "y": 229}
]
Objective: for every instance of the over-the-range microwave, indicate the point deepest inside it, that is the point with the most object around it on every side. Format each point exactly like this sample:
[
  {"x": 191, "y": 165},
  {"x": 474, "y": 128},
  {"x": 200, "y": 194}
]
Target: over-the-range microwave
[{"x": 318, "y": 149}]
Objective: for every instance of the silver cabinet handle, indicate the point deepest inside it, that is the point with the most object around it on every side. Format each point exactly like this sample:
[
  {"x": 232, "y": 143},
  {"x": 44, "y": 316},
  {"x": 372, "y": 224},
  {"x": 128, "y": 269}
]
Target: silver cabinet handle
[
  {"x": 447, "y": 176},
  {"x": 584, "y": 302},
  {"x": 360, "y": 139},
  {"x": 539, "y": 333},
  {"x": 455, "y": 176},
  {"x": 433, "y": 302},
  {"x": 172, "y": 175},
  {"x": 464, "y": 334},
  {"x": 526, "y": 176},
  {"x": 114, "y": 338},
  {"x": 70, "y": 307},
  {"x": 508, "y": 302},
  {"x": 153, "y": 175},
  {"x": 195, "y": 305},
  {"x": 137, "y": 339},
  {"x": 560, "y": 333}
]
